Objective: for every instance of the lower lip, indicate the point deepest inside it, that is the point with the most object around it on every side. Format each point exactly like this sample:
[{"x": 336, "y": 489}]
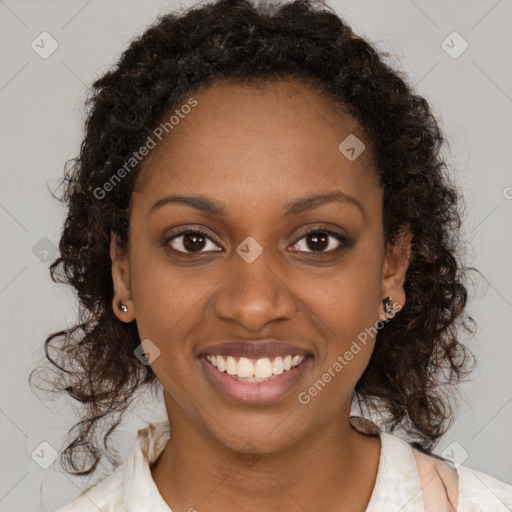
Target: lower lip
[{"x": 255, "y": 392}]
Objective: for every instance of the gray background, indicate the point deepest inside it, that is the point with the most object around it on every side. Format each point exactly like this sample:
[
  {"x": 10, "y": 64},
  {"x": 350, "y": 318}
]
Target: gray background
[{"x": 41, "y": 117}]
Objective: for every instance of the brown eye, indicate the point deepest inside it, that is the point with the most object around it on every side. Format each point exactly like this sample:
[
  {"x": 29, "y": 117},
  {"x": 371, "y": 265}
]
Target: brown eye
[
  {"x": 321, "y": 241},
  {"x": 317, "y": 241},
  {"x": 192, "y": 241}
]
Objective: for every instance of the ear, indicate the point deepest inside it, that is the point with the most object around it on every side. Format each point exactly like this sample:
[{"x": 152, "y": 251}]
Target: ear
[
  {"x": 121, "y": 282},
  {"x": 395, "y": 268}
]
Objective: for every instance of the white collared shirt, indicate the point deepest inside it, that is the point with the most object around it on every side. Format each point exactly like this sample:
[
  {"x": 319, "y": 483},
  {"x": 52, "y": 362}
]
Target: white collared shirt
[{"x": 404, "y": 481}]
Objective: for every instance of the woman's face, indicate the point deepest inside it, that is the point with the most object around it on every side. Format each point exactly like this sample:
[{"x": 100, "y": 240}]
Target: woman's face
[{"x": 255, "y": 274}]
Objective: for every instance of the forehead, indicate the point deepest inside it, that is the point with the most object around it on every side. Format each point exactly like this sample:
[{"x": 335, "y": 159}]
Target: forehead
[{"x": 265, "y": 142}]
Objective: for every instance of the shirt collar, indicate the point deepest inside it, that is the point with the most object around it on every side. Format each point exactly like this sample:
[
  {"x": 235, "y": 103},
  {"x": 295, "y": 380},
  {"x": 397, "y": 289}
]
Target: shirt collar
[{"x": 140, "y": 491}]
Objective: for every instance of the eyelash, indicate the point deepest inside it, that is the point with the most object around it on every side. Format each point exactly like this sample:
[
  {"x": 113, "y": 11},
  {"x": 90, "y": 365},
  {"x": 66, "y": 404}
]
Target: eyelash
[{"x": 344, "y": 241}]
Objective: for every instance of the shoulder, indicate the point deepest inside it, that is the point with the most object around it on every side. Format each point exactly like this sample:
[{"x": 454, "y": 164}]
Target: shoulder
[
  {"x": 480, "y": 491},
  {"x": 418, "y": 480},
  {"x": 461, "y": 489},
  {"x": 439, "y": 482},
  {"x": 106, "y": 495},
  {"x": 131, "y": 482}
]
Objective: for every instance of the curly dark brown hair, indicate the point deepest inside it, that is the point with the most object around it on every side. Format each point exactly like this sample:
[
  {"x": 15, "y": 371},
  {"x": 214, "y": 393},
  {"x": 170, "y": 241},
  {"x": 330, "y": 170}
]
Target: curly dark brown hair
[{"x": 418, "y": 356}]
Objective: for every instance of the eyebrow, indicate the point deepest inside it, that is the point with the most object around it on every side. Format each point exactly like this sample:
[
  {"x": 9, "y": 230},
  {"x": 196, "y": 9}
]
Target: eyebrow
[{"x": 294, "y": 207}]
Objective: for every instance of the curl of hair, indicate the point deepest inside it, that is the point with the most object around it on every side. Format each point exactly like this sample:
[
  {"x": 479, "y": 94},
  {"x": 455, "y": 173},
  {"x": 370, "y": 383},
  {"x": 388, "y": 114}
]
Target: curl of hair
[{"x": 418, "y": 355}]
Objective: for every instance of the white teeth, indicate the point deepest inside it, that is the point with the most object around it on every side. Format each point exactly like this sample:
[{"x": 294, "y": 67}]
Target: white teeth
[
  {"x": 231, "y": 365},
  {"x": 296, "y": 360},
  {"x": 278, "y": 366},
  {"x": 245, "y": 368},
  {"x": 261, "y": 369}
]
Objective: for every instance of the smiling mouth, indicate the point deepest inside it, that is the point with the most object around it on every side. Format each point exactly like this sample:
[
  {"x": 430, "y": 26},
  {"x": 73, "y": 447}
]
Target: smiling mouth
[{"x": 262, "y": 369}]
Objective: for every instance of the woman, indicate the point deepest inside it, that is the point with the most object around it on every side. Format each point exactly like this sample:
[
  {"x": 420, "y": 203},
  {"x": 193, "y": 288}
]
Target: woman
[{"x": 261, "y": 225}]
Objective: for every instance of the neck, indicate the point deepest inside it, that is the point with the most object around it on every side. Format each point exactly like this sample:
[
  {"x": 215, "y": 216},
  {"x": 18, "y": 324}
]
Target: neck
[{"x": 334, "y": 467}]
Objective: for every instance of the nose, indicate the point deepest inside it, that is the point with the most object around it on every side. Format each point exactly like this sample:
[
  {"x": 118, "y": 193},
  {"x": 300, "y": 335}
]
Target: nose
[{"x": 254, "y": 294}]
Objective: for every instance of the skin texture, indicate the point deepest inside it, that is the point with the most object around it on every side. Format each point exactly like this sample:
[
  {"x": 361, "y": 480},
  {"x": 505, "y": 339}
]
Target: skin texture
[{"x": 254, "y": 149}]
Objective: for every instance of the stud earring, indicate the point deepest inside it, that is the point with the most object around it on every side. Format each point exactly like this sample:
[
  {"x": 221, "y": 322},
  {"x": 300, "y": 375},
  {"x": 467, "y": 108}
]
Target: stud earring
[
  {"x": 122, "y": 307},
  {"x": 387, "y": 305}
]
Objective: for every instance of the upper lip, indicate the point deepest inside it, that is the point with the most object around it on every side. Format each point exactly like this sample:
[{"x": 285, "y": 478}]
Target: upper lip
[{"x": 253, "y": 348}]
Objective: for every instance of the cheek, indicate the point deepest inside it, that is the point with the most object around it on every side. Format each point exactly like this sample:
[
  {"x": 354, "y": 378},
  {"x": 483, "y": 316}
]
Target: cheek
[
  {"x": 346, "y": 314},
  {"x": 346, "y": 299},
  {"x": 165, "y": 297},
  {"x": 346, "y": 306},
  {"x": 167, "y": 304}
]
